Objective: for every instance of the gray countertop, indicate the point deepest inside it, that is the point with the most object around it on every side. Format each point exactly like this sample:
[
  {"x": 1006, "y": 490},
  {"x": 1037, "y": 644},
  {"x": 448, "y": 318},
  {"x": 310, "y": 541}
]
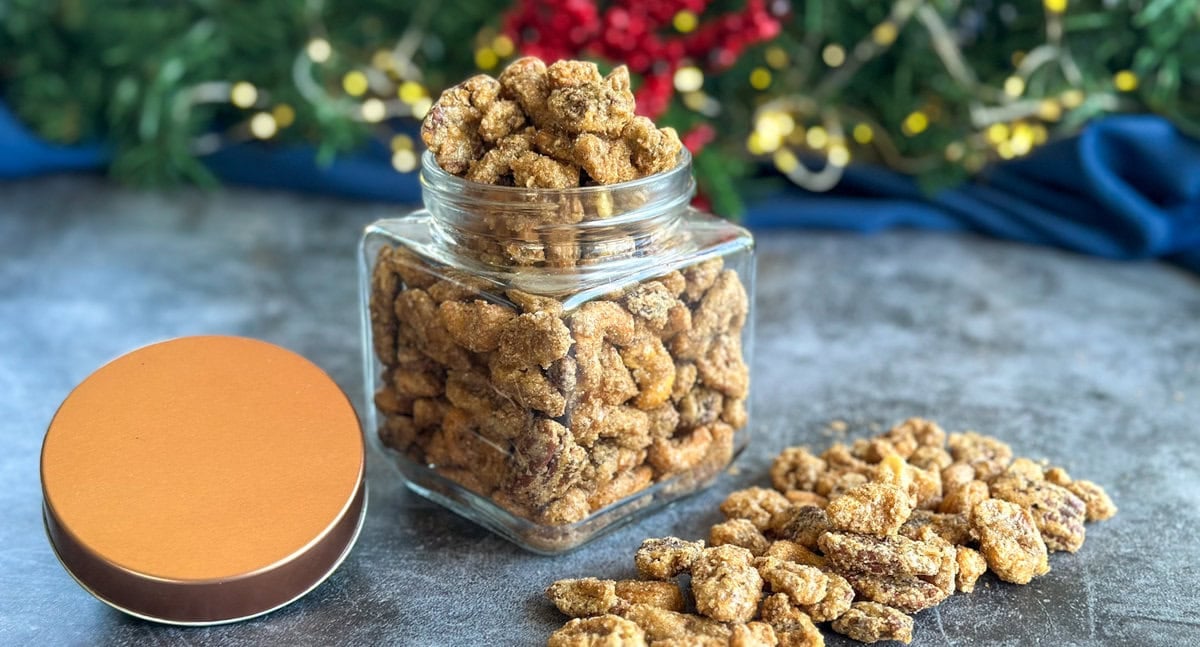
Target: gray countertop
[{"x": 1091, "y": 364}]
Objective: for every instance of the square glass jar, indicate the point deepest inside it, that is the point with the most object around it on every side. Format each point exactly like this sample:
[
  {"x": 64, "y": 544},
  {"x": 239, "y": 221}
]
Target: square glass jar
[{"x": 549, "y": 363}]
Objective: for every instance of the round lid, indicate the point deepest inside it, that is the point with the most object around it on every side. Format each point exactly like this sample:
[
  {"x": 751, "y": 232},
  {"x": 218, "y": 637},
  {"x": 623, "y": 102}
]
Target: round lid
[{"x": 203, "y": 480}]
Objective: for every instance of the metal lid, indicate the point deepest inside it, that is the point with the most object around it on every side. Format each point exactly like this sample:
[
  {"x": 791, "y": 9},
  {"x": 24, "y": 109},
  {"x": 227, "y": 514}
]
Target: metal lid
[{"x": 203, "y": 480}]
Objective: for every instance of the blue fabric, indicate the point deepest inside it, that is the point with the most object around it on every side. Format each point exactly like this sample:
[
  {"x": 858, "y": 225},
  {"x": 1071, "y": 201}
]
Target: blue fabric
[{"x": 1128, "y": 187}]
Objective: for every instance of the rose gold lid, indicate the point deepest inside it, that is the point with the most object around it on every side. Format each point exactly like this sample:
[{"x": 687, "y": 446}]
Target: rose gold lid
[{"x": 203, "y": 480}]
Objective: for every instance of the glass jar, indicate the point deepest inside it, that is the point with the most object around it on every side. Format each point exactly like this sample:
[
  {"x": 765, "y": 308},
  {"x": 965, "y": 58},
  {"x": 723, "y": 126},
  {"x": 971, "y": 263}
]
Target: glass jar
[{"x": 550, "y": 362}]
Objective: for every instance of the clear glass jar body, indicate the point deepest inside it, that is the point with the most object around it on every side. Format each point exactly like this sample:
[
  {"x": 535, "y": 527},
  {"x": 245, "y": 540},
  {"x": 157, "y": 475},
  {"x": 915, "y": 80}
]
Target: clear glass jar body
[{"x": 550, "y": 362}]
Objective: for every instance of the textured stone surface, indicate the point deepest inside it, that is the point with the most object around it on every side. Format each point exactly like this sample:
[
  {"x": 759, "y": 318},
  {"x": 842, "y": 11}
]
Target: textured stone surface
[{"x": 1090, "y": 363}]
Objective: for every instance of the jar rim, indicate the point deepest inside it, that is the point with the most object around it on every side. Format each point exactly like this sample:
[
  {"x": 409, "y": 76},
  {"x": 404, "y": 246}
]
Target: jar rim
[{"x": 433, "y": 176}]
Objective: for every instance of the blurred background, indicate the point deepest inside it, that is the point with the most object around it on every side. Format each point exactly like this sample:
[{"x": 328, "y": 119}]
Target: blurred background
[{"x": 1068, "y": 122}]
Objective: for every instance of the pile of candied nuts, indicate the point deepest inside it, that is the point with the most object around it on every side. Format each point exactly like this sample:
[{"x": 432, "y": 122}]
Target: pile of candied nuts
[
  {"x": 554, "y": 413},
  {"x": 860, "y": 537}
]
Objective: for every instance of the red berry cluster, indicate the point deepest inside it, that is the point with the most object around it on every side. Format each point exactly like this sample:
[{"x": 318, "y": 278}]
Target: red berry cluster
[{"x": 640, "y": 34}]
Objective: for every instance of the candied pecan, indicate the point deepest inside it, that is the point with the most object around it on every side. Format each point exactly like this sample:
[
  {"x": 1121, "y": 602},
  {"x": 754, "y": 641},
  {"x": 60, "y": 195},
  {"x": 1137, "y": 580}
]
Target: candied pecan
[
  {"x": 385, "y": 283},
  {"x": 605, "y": 160},
  {"x": 802, "y": 584},
  {"x": 663, "y": 625},
  {"x": 700, "y": 406},
  {"x": 1057, "y": 476},
  {"x": 662, "y": 559},
  {"x": 525, "y": 81},
  {"x": 654, "y": 150},
  {"x": 839, "y": 457},
  {"x": 734, "y": 412},
  {"x": 795, "y": 468},
  {"x": 1099, "y": 505},
  {"x": 530, "y": 303},
  {"x": 624, "y": 484},
  {"x": 792, "y": 625},
  {"x": 838, "y": 596},
  {"x": 722, "y": 309},
  {"x": 803, "y": 524},
  {"x": 609, "y": 630},
  {"x": 583, "y": 597},
  {"x": 834, "y": 484},
  {"x": 545, "y": 463},
  {"x": 850, "y": 553},
  {"x": 923, "y": 487},
  {"x": 664, "y": 595},
  {"x": 722, "y": 366},
  {"x": 927, "y": 433},
  {"x": 500, "y": 119},
  {"x": 970, "y": 566},
  {"x": 1009, "y": 540},
  {"x": 987, "y": 455},
  {"x": 725, "y": 584},
  {"x": 956, "y": 475},
  {"x": 739, "y": 532},
  {"x": 954, "y": 528},
  {"x": 801, "y": 497},
  {"x": 930, "y": 458},
  {"x": 794, "y": 552},
  {"x": 685, "y": 379},
  {"x": 1058, "y": 514},
  {"x": 963, "y": 499},
  {"x": 653, "y": 303},
  {"x": 907, "y": 593},
  {"x": 870, "y": 622},
  {"x": 753, "y": 634},
  {"x": 451, "y": 129},
  {"x": 756, "y": 504},
  {"x": 420, "y": 327},
  {"x": 476, "y": 325},
  {"x": 398, "y": 432},
  {"x": 872, "y": 508}
]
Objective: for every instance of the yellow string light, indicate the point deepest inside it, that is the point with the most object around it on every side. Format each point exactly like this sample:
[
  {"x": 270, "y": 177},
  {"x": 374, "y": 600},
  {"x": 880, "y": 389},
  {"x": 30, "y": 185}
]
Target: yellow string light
[
  {"x": 863, "y": 133},
  {"x": 754, "y": 144},
  {"x": 404, "y": 160},
  {"x": 1055, "y": 6},
  {"x": 997, "y": 133},
  {"x": 243, "y": 94},
  {"x": 816, "y": 137},
  {"x": 760, "y": 78},
  {"x": 503, "y": 46},
  {"x": 685, "y": 21},
  {"x": 785, "y": 160},
  {"x": 688, "y": 79},
  {"x": 1125, "y": 81},
  {"x": 833, "y": 55},
  {"x": 263, "y": 126},
  {"x": 486, "y": 58},
  {"x": 374, "y": 110},
  {"x": 884, "y": 34},
  {"x": 1022, "y": 139},
  {"x": 421, "y": 107},
  {"x": 1005, "y": 149},
  {"x": 355, "y": 83},
  {"x": 839, "y": 155},
  {"x": 915, "y": 123},
  {"x": 318, "y": 50},
  {"x": 777, "y": 57},
  {"x": 402, "y": 142},
  {"x": 1049, "y": 110},
  {"x": 284, "y": 115},
  {"x": 411, "y": 92},
  {"x": 1040, "y": 134},
  {"x": 1014, "y": 86},
  {"x": 1071, "y": 98}
]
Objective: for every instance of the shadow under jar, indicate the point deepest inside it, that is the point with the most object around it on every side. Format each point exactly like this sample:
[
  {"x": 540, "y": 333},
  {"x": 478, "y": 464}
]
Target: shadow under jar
[{"x": 550, "y": 362}]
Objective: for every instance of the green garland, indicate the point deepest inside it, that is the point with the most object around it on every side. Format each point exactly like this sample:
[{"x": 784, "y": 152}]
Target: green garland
[{"x": 936, "y": 89}]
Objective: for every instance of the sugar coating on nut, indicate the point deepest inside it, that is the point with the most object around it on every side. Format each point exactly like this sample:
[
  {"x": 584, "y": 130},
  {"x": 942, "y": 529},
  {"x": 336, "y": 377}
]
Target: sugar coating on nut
[
  {"x": 662, "y": 559},
  {"x": 609, "y": 630},
  {"x": 725, "y": 584},
  {"x": 870, "y": 622}
]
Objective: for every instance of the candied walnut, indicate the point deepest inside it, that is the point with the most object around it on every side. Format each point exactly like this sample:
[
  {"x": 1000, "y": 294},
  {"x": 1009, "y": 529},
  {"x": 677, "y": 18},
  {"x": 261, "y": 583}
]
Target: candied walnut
[
  {"x": 838, "y": 597},
  {"x": 963, "y": 499},
  {"x": 581, "y": 101},
  {"x": 723, "y": 368},
  {"x": 699, "y": 407},
  {"x": 653, "y": 303},
  {"x": 796, "y": 469},
  {"x": 723, "y": 308},
  {"x": 725, "y": 584},
  {"x": 1058, "y": 514},
  {"x": 663, "y": 595},
  {"x": 794, "y": 552},
  {"x": 954, "y": 528},
  {"x": 757, "y": 505},
  {"x": 583, "y": 597},
  {"x": 793, "y": 626},
  {"x": 1099, "y": 505},
  {"x": 654, "y": 150},
  {"x": 970, "y": 566},
  {"x": 475, "y": 326},
  {"x": 870, "y": 622},
  {"x": 535, "y": 171},
  {"x": 605, "y": 160},
  {"x": 662, "y": 625},
  {"x": 753, "y": 634},
  {"x": 451, "y": 129},
  {"x": 662, "y": 559},
  {"x": 544, "y": 464},
  {"x": 930, "y": 458},
  {"x": 872, "y": 508},
  {"x": 987, "y": 455},
  {"x": 923, "y": 487},
  {"x": 1010, "y": 541},
  {"x": 739, "y": 532},
  {"x": 850, "y": 553},
  {"x": 500, "y": 119},
  {"x": 420, "y": 327},
  {"x": 956, "y": 475},
  {"x": 607, "y": 630},
  {"x": 802, "y": 584},
  {"x": 803, "y": 524}
]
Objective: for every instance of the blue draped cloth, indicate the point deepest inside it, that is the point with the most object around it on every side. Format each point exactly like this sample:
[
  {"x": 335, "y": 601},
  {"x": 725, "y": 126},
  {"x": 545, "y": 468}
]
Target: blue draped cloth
[{"x": 1127, "y": 187}]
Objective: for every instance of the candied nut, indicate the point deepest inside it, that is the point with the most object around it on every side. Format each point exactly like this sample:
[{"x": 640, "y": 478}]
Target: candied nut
[
  {"x": 500, "y": 119},
  {"x": 803, "y": 524},
  {"x": 1026, "y": 468},
  {"x": 756, "y": 504},
  {"x": 651, "y": 367},
  {"x": 685, "y": 379},
  {"x": 1099, "y": 505},
  {"x": 420, "y": 327},
  {"x": 753, "y": 634},
  {"x": 872, "y": 508},
  {"x": 580, "y": 598},
  {"x": 739, "y": 532},
  {"x": 850, "y": 553},
  {"x": 725, "y": 584},
  {"x": 722, "y": 366},
  {"x": 970, "y": 566},
  {"x": 664, "y": 595},
  {"x": 532, "y": 170},
  {"x": 870, "y": 622},
  {"x": 734, "y": 413},
  {"x": 963, "y": 499},
  {"x": 385, "y": 283},
  {"x": 956, "y": 475},
  {"x": 544, "y": 464},
  {"x": 723, "y": 308},
  {"x": 608, "y": 630},
  {"x": 700, "y": 277},
  {"x": 662, "y": 559},
  {"x": 569, "y": 508},
  {"x": 605, "y": 160},
  {"x": 794, "y": 552},
  {"x": 527, "y": 385},
  {"x": 793, "y": 625},
  {"x": 1058, "y": 514},
  {"x": 987, "y": 455},
  {"x": 451, "y": 130},
  {"x": 682, "y": 452},
  {"x": 927, "y": 433},
  {"x": 836, "y": 483},
  {"x": 662, "y": 625},
  {"x": 954, "y": 528},
  {"x": 398, "y": 432},
  {"x": 838, "y": 597},
  {"x": 802, "y": 584},
  {"x": 531, "y": 303},
  {"x": 654, "y": 150},
  {"x": 1010, "y": 541},
  {"x": 796, "y": 469},
  {"x": 801, "y": 497},
  {"x": 581, "y": 101},
  {"x": 906, "y": 593},
  {"x": 699, "y": 407},
  {"x": 525, "y": 80},
  {"x": 536, "y": 338},
  {"x": 839, "y": 457},
  {"x": 413, "y": 270},
  {"x": 930, "y": 458},
  {"x": 623, "y": 485},
  {"x": 475, "y": 326},
  {"x": 653, "y": 303},
  {"x": 924, "y": 488},
  {"x": 1057, "y": 476}
]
